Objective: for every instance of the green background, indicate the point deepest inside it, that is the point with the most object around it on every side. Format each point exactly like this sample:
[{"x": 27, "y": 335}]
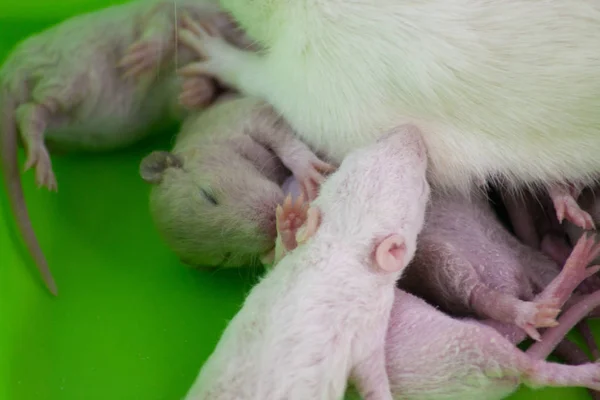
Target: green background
[{"x": 130, "y": 321}]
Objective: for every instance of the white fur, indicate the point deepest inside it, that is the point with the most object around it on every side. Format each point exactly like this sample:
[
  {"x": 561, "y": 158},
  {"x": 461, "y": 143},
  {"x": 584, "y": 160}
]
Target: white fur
[
  {"x": 322, "y": 313},
  {"x": 506, "y": 88}
]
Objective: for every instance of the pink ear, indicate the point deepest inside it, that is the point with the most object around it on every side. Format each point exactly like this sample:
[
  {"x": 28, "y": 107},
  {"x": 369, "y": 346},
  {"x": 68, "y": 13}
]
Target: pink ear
[{"x": 390, "y": 253}]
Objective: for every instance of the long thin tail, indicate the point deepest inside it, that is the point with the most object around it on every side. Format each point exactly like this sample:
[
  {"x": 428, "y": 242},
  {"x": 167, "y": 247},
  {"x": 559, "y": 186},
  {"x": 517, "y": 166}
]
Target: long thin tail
[
  {"x": 14, "y": 190},
  {"x": 566, "y": 322}
]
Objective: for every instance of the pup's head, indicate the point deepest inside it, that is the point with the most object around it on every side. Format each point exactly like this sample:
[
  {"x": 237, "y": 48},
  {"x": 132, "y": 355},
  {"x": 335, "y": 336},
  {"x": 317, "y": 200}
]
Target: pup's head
[
  {"x": 376, "y": 200},
  {"x": 213, "y": 206}
]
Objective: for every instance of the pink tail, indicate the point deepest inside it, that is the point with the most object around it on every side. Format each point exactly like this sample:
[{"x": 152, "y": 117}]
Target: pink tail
[{"x": 14, "y": 190}]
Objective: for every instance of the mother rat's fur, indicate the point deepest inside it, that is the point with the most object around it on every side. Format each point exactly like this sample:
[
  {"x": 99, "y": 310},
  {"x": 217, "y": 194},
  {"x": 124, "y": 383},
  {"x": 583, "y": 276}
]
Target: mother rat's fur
[{"x": 507, "y": 88}]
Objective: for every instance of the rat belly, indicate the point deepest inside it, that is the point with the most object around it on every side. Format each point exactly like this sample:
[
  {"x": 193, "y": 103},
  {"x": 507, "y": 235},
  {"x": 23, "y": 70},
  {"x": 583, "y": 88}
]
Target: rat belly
[
  {"x": 455, "y": 360},
  {"x": 116, "y": 119}
]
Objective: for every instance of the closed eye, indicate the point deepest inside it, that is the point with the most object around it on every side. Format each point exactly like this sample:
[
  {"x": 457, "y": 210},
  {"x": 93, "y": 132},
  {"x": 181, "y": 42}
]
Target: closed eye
[{"x": 209, "y": 196}]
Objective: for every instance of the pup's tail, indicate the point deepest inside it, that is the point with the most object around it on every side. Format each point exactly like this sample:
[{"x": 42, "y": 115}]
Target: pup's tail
[{"x": 14, "y": 189}]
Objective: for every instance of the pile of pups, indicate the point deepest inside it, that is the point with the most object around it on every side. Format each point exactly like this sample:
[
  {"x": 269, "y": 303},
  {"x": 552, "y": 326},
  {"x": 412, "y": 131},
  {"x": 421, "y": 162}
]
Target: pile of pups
[{"x": 389, "y": 271}]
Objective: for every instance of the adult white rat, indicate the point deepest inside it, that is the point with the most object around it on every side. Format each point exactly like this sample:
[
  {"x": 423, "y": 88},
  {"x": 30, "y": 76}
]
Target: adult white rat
[
  {"x": 97, "y": 81},
  {"x": 500, "y": 89},
  {"x": 214, "y": 194},
  {"x": 322, "y": 313}
]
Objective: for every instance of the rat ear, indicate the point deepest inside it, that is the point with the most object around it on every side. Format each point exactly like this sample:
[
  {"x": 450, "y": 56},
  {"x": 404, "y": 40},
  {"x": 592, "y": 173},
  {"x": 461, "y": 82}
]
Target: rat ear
[
  {"x": 390, "y": 253},
  {"x": 313, "y": 219},
  {"x": 155, "y": 164}
]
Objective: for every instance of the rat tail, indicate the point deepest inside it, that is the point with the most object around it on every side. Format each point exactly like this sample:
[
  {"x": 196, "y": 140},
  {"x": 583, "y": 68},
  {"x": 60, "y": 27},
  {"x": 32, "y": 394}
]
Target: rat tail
[
  {"x": 576, "y": 313},
  {"x": 14, "y": 189}
]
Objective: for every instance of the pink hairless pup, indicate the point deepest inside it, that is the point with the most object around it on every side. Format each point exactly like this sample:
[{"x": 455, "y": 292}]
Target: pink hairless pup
[
  {"x": 320, "y": 317},
  {"x": 431, "y": 355}
]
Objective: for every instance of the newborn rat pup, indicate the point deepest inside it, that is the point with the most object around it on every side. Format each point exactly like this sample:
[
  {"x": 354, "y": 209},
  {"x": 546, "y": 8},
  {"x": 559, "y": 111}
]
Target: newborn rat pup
[
  {"x": 321, "y": 315},
  {"x": 513, "y": 98},
  {"x": 431, "y": 355},
  {"x": 120, "y": 84},
  {"x": 214, "y": 195},
  {"x": 482, "y": 269}
]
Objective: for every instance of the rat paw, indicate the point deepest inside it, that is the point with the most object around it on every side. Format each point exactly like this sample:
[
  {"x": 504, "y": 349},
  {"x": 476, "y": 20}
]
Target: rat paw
[
  {"x": 206, "y": 41},
  {"x": 567, "y": 208},
  {"x": 533, "y": 315},
  {"x": 196, "y": 92},
  {"x": 141, "y": 57},
  {"x": 576, "y": 267},
  {"x": 38, "y": 157},
  {"x": 310, "y": 174},
  {"x": 290, "y": 216}
]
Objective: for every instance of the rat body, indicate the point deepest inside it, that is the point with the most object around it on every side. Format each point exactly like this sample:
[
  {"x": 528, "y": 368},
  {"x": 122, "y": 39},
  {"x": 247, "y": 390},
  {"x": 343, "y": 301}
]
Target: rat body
[
  {"x": 480, "y": 270},
  {"x": 97, "y": 81},
  {"x": 214, "y": 194},
  {"x": 431, "y": 355},
  {"x": 322, "y": 313},
  {"x": 513, "y": 98}
]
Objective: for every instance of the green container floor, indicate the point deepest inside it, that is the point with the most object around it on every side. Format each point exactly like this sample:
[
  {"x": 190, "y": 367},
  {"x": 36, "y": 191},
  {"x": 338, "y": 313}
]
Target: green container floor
[{"x": 130, "y": 321}]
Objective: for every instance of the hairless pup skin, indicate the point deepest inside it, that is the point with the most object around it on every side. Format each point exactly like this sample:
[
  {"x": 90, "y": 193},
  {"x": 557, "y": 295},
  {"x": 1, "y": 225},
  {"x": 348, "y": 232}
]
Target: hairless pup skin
[
  {"x": 120, "y": 84},
  {"x": 430, "y": 355},
  {"x": 214, "y": 195},
  {"x": 433, "y": 356},
  {"x": 482, "y": 270},
  {"x": 343, "y": 72},
  {"x": 588, "y": 201},
  {"x": 320, "y": 316}
]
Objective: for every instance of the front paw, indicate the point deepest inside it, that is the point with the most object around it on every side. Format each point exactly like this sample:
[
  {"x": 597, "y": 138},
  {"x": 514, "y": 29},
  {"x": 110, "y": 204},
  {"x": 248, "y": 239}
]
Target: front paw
[
  {"x": 540, "y": 314},
  {"x": 141, "y": 57},
  {"x": 209, "y": 46},
  {"x": 310, "y": 172}
]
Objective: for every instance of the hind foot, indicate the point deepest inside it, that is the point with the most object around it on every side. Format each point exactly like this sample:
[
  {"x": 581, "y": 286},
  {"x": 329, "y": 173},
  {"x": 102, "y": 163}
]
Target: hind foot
[
  {"x": 140, "y": 57},
  {"x": 574, "y": 272},
  {"x": 566, "y": 206},
  {"x": 196, "y": 92},
  {"x": 537, "y": 314},
  {"x": 290, "y": 216},
  {"x": 38, "y": 157}
]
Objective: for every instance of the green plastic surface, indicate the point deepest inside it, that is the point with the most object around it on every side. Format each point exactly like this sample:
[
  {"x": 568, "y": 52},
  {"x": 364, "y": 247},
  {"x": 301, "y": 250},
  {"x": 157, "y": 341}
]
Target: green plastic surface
[{"x": 130, "y": 321}]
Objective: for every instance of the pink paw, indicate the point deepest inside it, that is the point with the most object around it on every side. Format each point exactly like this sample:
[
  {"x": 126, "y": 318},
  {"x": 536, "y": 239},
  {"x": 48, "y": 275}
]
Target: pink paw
[
  {"x": 38, "y": 157},
  {"x": 532, "y": 315},
  {"x": 141, "y": 57},
  {"x": 566, "y": 207},
  {"x": 585, "y": 251},
  {"x": 310, "y": 173},
  {"x": 290, "y": 218},
  {"x": 196, "y": 92}
]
